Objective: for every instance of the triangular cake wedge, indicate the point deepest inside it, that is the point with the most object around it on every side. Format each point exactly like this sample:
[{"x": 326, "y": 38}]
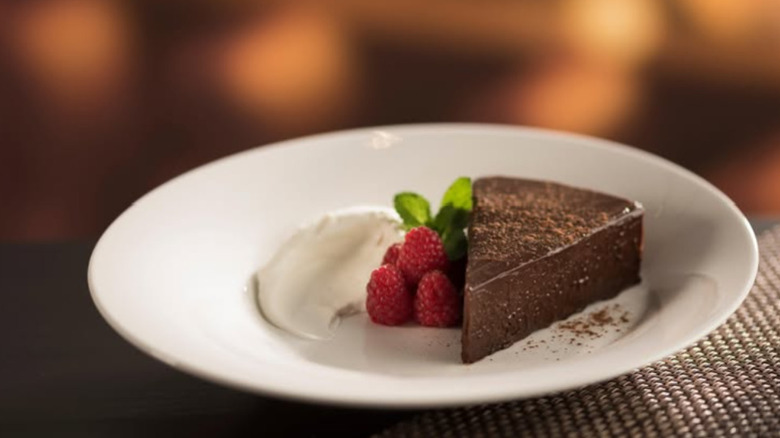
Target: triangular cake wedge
[{"x": 540, "y": 252}]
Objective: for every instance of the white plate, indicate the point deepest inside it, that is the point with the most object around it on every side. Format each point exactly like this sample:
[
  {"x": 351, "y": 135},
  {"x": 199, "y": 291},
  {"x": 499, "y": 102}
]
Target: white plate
[{"x": 171, "y": 273}]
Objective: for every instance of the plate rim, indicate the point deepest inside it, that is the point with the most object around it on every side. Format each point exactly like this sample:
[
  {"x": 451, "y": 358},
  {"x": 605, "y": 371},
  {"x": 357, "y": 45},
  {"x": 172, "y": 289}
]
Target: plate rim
[{"x": 377, "y": 401}]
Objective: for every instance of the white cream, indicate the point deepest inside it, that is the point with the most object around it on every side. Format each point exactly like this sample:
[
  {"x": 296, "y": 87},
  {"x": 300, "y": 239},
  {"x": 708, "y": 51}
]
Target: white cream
[{"x": 320, "y": 274}]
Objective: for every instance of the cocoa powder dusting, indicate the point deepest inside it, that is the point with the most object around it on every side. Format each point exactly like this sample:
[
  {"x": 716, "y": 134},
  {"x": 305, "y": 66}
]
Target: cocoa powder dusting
[
  {"x": 594, "y": 324},
  {"x": 518, "y": 220}
]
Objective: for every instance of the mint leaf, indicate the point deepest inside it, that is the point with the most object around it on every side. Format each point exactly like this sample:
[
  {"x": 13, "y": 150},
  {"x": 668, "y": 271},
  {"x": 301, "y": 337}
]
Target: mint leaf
[
  {"x": 455, "y": 208},
  {"x": 455, "y": 243},
  {"x": 450, "y": 217},
  {"x": 413, "y": 209},
  {"x": 453, "y": 216},
  {"x": 458, "y": 194}
]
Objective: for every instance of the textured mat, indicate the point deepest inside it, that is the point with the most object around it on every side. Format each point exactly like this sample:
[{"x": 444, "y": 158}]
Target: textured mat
[{"x": 726, "y": 385}]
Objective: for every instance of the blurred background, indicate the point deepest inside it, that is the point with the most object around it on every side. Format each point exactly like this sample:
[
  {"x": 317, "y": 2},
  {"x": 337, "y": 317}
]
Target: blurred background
[{"x": 102, "y": 100}]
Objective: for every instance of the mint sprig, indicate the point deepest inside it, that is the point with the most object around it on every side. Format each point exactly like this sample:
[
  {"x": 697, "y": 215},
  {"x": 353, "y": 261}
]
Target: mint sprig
[
  {"x": 414, "y": 209},
  {"x": 450, "y": 220}
]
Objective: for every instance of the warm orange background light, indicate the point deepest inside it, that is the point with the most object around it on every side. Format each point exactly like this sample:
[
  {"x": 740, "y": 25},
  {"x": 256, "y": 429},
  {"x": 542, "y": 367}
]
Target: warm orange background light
[
  {"x": 575, "y": 95},
  {"x": 101, "y": 100},
  {"x": 78, "y": 52},
  {"x": 294, "y": 70},
  {"x": 615, "y": 31}
]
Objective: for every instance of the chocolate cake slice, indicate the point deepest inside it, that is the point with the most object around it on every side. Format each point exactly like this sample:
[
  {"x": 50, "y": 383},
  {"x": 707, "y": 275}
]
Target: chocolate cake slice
[{"x": 540, "y": 252}]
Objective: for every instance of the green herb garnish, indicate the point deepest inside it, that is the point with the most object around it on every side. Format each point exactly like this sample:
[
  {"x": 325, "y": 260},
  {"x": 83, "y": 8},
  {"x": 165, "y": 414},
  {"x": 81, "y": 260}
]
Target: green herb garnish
[{"x": 449, "y": 222}]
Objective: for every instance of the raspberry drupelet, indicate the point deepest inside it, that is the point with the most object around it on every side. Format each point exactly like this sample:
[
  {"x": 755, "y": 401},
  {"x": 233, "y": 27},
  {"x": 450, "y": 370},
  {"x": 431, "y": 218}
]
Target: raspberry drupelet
[{"x": 422, "y": 252}]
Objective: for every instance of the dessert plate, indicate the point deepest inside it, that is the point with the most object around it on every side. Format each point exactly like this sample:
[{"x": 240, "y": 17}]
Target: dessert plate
[{"x": 173, "y": 273}]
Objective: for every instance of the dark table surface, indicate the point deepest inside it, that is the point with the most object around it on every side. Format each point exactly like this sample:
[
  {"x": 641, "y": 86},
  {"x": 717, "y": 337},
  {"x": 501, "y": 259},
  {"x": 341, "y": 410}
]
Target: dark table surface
[{"x": 65, "y": 372}]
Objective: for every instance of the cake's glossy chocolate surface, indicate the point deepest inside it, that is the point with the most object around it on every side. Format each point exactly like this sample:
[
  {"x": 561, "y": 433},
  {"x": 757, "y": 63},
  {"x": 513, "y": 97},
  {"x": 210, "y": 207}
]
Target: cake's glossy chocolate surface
[{"x": 539, "y": 252}]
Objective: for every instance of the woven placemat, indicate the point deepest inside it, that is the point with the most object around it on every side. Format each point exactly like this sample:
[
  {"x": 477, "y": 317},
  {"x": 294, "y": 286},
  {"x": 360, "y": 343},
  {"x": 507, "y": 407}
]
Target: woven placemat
[{"x": 728, "y": 384}]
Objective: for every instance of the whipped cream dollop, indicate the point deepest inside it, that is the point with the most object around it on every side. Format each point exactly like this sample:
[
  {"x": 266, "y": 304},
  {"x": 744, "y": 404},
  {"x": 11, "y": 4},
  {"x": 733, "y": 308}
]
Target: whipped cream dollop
[{"x": 319, "y": 275}]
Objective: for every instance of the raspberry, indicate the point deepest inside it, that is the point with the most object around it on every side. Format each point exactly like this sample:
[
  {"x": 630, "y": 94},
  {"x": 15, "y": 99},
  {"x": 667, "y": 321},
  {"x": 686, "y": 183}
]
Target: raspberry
[
  {"x": 389, "y": 301},
  {"x": 391, "y": 255},
  {"x": 437, "y": 303},
  {"x": 421, "y": 253}
]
